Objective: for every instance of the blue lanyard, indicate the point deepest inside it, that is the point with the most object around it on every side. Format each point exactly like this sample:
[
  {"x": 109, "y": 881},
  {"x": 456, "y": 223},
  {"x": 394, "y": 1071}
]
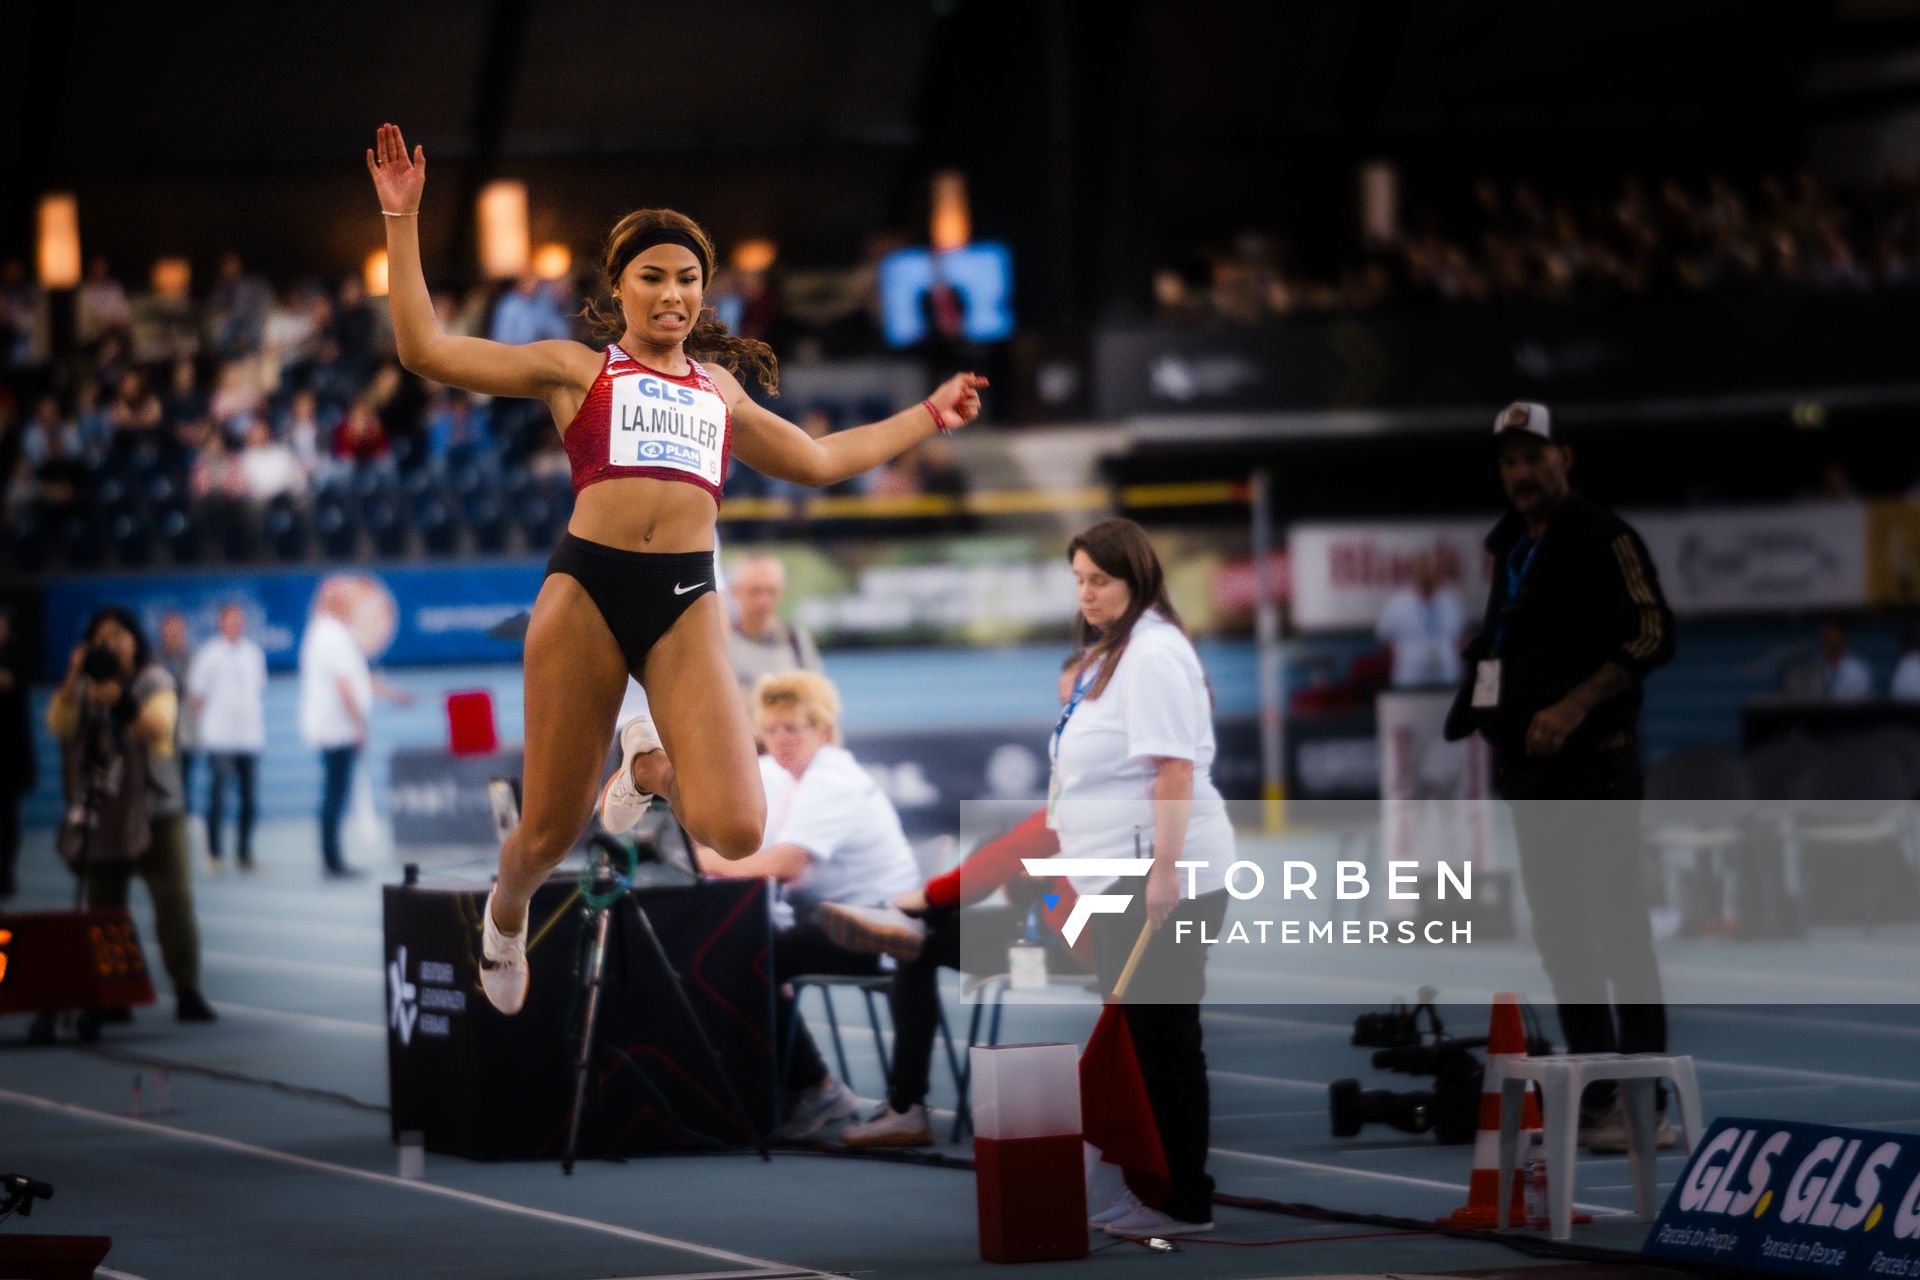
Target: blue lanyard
[
  {"x": 1080, "y": 687},
  {"x": 1516, "y": 579}
]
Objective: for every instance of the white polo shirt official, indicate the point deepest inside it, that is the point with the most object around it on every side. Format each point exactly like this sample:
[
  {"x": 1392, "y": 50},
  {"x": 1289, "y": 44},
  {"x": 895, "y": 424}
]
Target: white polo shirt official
[
  {"x": 857, "y": 852},
  {"x": 1156, "y": 706},
  {"x": 232, "y": 677},
  {"x": 329, "y": 654}
]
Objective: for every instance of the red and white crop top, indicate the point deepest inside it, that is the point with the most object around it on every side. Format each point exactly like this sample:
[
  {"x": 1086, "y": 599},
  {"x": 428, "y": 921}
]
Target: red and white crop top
[{"x": 638, "y": 421}]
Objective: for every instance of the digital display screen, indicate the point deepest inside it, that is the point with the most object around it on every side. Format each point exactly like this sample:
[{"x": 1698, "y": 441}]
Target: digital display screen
[{"x": 979, "y": 276}]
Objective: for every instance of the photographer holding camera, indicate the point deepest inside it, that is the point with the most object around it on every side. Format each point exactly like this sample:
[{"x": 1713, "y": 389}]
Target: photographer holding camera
[{"x": 114, "y": 715}]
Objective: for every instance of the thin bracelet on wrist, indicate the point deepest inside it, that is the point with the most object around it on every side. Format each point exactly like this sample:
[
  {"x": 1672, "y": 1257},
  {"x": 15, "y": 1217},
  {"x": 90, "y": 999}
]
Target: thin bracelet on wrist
[
  {"x": 939, "y": 419},
  {"x": 411, "y": 213}
]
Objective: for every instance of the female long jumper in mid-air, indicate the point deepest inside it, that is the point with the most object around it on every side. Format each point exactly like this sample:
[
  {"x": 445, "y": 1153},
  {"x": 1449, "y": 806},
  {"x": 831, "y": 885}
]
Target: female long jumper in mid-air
[{"x": 647, "y": 430}]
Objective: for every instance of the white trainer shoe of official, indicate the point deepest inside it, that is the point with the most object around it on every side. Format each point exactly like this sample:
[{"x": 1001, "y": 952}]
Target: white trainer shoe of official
[
  {"x": 813, "y": 1111},
  {"x": 503, "y": 963},
  {"x": 621, "y": 804},
  {"x": 1126, "y": 1206},
  {"x": 1146, "y": 1223},
  {"x": 891, "y": 1128}
]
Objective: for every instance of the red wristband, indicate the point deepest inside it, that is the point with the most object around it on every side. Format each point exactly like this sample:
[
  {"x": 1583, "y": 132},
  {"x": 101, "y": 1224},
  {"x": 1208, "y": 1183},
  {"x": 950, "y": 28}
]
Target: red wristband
[{"x": 939, "y": 419}]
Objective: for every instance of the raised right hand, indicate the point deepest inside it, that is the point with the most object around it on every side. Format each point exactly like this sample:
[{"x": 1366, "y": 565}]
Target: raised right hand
[{"x": 397, "y": 179}]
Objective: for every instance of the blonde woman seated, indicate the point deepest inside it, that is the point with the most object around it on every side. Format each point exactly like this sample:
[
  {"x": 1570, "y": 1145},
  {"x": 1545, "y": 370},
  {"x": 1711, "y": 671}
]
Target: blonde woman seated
[{"x": 832, "y": 836}]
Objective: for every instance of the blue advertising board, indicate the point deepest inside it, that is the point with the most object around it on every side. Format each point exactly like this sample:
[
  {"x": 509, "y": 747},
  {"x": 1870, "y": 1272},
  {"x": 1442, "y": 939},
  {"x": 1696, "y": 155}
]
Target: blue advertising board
[
  {"x": 407, "y": 615},
  {"x": 1796, "y": 1199}
]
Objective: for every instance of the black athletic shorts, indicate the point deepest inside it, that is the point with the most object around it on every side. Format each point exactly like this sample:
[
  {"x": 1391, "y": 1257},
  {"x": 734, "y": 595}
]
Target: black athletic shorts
[{"x": 639, "y": 593}]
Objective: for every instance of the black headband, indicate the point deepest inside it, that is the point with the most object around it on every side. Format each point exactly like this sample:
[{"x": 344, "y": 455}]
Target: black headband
[{"x": 665, "y": 235}]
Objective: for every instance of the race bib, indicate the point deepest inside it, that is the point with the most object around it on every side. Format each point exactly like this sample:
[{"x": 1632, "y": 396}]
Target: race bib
[
  {"x": 656, "y": 423},
  {"x": 1486, "y": 683}
]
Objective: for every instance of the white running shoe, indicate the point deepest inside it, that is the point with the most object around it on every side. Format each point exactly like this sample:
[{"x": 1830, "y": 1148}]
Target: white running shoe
[
  {"x": 503, "y": 963},
  {"x": 1145, "y": 1223},
  {"x": 621, "y": 805},
  {"x": 813, "y": 1111},
  {"x": 1126, "y": 1206},
  {"x": 891, "y": 1128}
]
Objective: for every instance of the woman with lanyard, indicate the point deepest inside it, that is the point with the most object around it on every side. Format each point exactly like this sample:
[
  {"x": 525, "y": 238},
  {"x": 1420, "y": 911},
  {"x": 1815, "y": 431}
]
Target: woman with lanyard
[
  {"x": 1131, "y": 756},
  {"x": 648, "y": 431}
]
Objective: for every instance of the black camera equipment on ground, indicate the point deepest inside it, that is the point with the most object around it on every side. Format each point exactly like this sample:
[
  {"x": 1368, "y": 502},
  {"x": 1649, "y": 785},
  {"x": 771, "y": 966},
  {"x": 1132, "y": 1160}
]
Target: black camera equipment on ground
[
  {"x": 31, "y": 1255},
  {"x": 18, "y": 1192},
  {"x": 1450, "y": 1110}
]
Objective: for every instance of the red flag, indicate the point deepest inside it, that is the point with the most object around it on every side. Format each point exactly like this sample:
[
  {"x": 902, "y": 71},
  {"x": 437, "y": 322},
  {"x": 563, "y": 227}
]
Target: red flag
[{"x": 1115, "y": 1115}]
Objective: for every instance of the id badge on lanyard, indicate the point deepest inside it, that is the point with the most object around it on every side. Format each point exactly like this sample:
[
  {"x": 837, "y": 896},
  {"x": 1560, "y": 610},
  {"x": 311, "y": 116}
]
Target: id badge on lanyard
[
  {"x": 1080, "y": 687},
  {"x": 1486, "y": 684}
]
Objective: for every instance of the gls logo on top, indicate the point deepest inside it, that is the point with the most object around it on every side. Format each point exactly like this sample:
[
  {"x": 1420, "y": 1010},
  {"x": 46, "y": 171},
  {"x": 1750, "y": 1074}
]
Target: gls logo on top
[
  {"x": 1780, "y": 1196},
  {"x": 654, "y": 389}
]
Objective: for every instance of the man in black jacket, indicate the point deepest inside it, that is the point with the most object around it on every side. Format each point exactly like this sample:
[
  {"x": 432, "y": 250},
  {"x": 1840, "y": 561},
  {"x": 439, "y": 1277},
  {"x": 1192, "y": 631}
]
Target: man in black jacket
[{"x": 1575, "y": 621}]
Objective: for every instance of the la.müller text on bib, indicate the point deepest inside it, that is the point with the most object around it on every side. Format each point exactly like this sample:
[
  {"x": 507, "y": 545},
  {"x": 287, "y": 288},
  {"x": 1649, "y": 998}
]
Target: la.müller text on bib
[{"x": 663, "y": 424}]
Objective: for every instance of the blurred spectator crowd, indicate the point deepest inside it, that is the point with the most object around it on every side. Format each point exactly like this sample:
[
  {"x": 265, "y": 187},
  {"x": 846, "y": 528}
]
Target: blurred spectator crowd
[
  {"x": 273, "y": 423},
  {"x": 1507, "y": 242}
]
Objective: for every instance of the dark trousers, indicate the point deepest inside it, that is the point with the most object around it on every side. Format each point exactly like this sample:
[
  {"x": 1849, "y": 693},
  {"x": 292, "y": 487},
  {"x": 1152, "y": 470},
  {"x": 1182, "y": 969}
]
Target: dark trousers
[
  {"x": 9, "y": 838},
  {"x": 1162, "y": 1008},
  {"x": 1577, "y": 823},
  {"x": 915, "y": 1003},
  {"x": 241, "y": 766},
  {"x": 805, "y": 949},
  {"x": 334, "y": 791},
  {"x": 915, "y": 996},
  {"x": 186, "y": 756},
  {"x": 166, "y": 867}
]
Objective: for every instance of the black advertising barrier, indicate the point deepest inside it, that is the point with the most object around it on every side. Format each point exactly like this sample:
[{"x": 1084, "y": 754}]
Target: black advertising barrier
[
  {"x": 1764, "y": 719},
  {"x": 441, "y": 799},
  {"x": 1333, "y": 755},
  {"x": 1690, "y": 344},
  {"x": 929, "y": 773},
  {"x": 477, "y": 1083},
  {"x": 437, "y": 798},
  {"x": 1796, "y": 1199}
]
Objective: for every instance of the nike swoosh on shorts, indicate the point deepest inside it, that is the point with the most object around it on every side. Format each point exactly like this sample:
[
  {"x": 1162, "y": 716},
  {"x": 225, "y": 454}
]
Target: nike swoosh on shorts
[{"x": 680, "y": 590}]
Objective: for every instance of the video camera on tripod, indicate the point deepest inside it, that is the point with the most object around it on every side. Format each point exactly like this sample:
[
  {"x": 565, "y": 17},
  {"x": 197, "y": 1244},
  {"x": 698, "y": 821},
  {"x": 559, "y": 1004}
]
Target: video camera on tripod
[{"x": 1450, "y": 1110}]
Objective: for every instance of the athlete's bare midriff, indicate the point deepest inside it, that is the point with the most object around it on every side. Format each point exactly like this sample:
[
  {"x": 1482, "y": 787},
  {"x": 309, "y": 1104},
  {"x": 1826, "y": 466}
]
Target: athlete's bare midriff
[{"x": 641, "y": 513}]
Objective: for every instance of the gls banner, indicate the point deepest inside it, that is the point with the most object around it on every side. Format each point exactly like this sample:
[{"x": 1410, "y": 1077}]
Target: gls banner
[{"x": 1798, "y": 1199}]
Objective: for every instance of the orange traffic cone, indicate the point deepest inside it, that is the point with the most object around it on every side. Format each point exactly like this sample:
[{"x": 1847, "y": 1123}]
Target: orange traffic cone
[{"x": 1505, "y": 1039}]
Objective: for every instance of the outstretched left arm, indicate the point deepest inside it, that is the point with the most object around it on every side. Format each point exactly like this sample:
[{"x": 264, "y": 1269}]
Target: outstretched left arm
[{"x": 775, "y": 447}]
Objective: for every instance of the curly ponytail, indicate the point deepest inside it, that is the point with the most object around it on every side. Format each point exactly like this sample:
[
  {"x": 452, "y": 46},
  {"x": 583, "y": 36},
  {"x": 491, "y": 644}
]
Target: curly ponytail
[
  {"x": 733, "y": 353},
  {"x": 708, "y": 338}
]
